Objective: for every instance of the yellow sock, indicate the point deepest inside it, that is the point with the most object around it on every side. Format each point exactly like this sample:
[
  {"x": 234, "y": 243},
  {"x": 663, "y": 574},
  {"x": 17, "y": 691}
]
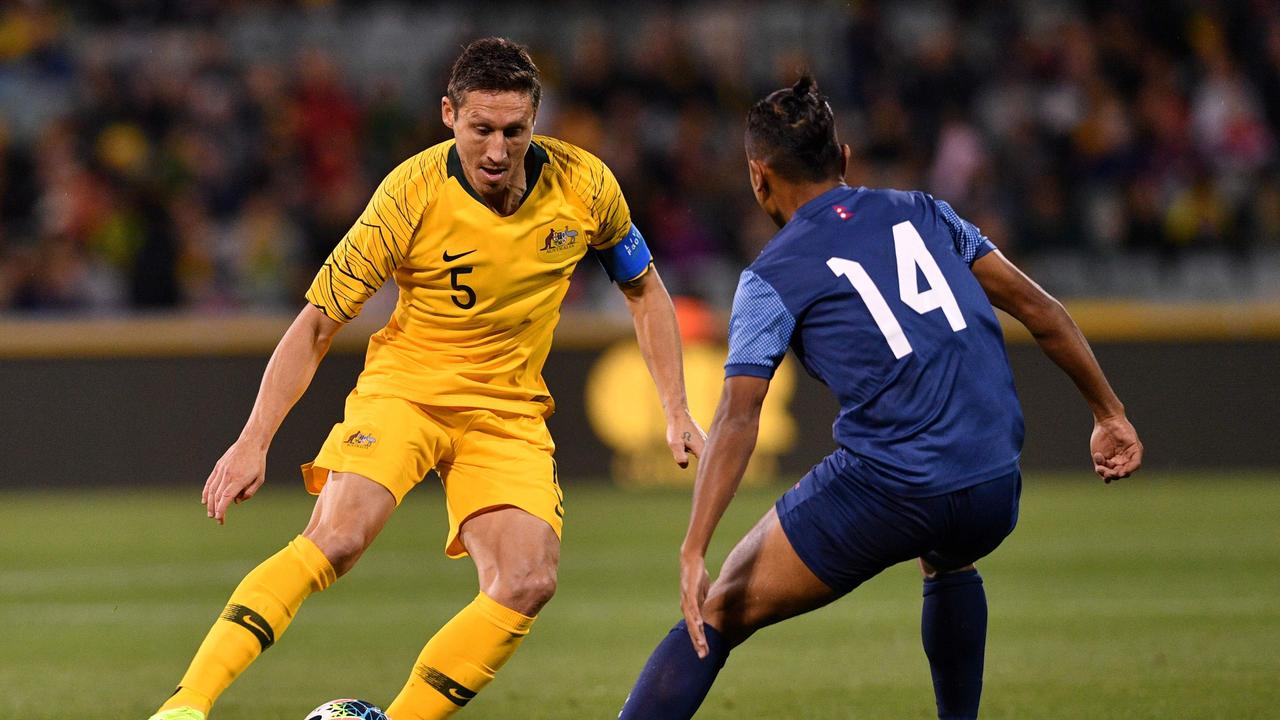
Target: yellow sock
[
  {"x": 255, "y": 617},
  {"x": 460, "y": 660}
]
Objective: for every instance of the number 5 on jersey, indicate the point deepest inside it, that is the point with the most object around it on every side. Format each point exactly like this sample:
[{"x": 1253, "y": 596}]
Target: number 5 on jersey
[
  {"x": 468, "y": 299},
  {"x": 911, "y": 253}
]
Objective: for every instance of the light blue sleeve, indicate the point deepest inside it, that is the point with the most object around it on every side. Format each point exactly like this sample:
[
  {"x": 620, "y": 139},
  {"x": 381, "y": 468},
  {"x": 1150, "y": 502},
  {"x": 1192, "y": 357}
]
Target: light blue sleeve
[
  {"x": 760, "y": 329},
  {"x": 970, "y": 242}
]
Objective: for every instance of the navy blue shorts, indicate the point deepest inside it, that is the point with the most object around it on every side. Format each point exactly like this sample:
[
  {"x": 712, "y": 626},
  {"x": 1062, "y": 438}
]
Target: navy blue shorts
[{"x": 846, "y": 529}]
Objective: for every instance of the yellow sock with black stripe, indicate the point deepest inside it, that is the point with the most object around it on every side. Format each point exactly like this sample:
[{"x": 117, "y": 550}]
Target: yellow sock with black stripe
[
  {"x": 460, "y": 659},
  {"x": 256, "y": 616}
]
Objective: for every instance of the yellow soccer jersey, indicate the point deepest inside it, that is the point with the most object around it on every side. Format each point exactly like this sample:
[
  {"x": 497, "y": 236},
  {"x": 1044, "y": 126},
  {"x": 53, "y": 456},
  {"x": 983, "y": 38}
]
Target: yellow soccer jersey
[{"x": 480, "y": 293}]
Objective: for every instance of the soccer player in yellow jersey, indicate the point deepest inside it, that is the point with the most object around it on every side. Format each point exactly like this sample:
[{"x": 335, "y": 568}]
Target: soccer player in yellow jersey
[{"x": 481, "y": 234}]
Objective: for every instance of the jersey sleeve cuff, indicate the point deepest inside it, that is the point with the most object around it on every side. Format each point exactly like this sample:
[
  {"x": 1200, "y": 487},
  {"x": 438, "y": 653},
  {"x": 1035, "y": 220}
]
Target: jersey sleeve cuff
[
  {"x": 984, "y": 248},
  {"x": 759, "y": 371},
  {"x": 328, "y": 311}
]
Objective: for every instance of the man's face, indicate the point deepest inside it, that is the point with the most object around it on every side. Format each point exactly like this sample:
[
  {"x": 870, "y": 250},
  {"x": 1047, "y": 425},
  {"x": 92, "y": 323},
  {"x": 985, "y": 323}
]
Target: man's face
[{"x": 493, "y": 132}]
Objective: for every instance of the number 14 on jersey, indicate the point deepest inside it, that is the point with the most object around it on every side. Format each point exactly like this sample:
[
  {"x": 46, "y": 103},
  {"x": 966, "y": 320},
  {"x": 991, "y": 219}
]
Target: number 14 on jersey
[{"x": 911, "y": 254}]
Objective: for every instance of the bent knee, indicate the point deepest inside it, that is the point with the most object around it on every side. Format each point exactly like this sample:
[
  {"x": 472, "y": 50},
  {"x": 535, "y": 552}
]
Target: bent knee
[
  {"x": 343, "y": 546},
  {"x": 930, "y": 572},
  {"x": 735, "y": 619},
  {"x": 526, "y": 593}
]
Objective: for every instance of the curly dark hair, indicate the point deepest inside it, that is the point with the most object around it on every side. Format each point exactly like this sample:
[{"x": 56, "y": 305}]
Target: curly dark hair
[
  {"x": 793, "y": 131},
  {"x": 494, "y": 64}
]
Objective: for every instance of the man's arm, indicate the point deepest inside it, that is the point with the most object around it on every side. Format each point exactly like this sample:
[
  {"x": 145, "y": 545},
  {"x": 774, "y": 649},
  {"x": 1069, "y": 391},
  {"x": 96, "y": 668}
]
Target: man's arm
[
  {"x": 1114, "y": 445},
  {"x": 659, "y": 338},
  {"x": 729, "y": 447},
  {"x": 242, "y": 468}
]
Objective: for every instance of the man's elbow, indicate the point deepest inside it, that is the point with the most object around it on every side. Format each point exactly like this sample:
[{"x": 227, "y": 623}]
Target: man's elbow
[
  {"x": 319, "y": 327},
  {"x": 1045, "y": 317},
  {"x": 742, "y": 414},
  {"x": 324, "y": 336},
  {"x": 636, "y": 288}
]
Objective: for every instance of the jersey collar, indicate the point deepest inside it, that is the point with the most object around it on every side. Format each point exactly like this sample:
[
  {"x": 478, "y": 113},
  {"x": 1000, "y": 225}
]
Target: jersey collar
[
  {"x": 534, "y": 159},
  {"x": 820, "y": 203}
]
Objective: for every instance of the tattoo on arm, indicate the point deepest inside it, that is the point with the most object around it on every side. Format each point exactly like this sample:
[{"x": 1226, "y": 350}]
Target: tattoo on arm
[{"x": 688, "y": 436}]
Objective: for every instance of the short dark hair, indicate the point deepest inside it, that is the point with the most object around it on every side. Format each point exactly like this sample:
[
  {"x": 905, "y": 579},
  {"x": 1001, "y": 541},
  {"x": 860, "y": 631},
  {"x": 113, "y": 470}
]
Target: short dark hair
[
  {"x": 494, "y": 64},
  {"x": 793, "y": 131}
]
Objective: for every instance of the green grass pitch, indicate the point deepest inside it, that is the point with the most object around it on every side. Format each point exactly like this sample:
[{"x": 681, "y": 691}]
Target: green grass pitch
[{"x": 1156, "y": 598}]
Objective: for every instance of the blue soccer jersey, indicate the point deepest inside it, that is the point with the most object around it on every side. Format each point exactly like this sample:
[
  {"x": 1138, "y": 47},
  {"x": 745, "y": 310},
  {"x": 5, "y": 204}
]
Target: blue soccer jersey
[{"x": 872, "y": 291}]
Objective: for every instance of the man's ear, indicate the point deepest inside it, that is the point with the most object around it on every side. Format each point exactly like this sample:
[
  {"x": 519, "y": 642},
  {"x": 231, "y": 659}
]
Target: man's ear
[
  {"x": 845, "y": 152},
  {"x": 447, "y": 111},
  {"x": 759, "y": 179}
]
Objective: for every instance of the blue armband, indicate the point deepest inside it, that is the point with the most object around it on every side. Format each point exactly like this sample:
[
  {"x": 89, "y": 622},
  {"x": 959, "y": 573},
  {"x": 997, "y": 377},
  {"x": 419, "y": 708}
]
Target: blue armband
[{"x": 626, "y": 259}]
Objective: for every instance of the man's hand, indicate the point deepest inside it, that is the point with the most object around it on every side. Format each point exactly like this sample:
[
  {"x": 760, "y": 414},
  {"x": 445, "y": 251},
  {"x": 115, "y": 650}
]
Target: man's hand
[
  {"x": 684, "y": 437},
  {"x": 1117, "y": 451},
  {"x": 694, "y": 582},
  {"x": 242, "y": 468},
  {"x": 237, "y": 476}
]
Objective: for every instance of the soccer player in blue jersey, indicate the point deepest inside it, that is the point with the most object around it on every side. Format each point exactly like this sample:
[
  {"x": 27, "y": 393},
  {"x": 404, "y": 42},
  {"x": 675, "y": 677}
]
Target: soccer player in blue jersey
[{"x": 886, "y": 297}]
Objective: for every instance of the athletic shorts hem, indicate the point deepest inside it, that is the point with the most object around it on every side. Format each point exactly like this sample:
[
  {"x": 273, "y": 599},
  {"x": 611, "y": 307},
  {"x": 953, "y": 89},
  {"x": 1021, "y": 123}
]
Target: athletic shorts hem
[
  {"x": 453, "y": 548},
  {"x": 847, "y": 530},
  {"x": 316, "y": 474},
  {"x": 807, "y": 555}
]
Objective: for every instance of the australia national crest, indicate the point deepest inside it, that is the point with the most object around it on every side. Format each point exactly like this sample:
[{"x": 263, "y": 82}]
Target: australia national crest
[
  {"x": 359, "y": 440},
  {"x": 555, "y": 244}
]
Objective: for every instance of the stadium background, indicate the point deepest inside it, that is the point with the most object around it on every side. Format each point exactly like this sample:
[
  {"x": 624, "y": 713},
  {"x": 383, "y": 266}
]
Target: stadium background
[{"x": 172, "y": 173}]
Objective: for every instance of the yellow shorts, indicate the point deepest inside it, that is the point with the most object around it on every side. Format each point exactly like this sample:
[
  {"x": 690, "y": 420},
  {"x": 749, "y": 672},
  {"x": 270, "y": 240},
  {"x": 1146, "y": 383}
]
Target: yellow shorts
[{"x": 486, "y": 459}]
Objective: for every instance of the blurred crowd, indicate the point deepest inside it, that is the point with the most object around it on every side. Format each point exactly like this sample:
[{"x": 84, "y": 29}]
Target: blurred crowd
[{"x": 207, "y": 155}]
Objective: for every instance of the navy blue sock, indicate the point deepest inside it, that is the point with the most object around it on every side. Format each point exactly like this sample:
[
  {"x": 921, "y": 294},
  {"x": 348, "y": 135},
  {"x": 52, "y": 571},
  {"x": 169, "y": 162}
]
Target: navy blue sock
[
  {"x": 953, "y": 625},
  {"x": 674, "y": 681}
]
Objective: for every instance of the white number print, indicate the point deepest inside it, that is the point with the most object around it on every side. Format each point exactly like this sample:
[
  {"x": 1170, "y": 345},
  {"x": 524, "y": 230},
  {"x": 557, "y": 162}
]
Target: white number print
[{"x": 911, "y": 252}]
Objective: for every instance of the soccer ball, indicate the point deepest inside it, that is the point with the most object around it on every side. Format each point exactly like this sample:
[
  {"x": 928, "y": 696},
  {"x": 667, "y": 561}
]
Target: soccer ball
[{"x": 347, "y": 708}]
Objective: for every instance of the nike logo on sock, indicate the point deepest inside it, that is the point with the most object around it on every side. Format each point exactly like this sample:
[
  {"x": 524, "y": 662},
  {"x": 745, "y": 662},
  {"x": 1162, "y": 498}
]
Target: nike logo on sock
[
  {"x": 250, "y": 620},
  {"x": 445, "y": 685}
]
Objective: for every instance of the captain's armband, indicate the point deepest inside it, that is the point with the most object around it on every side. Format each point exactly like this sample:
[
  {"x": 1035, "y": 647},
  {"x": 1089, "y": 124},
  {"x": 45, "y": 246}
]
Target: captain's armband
[{"x": 627, "y": 259}]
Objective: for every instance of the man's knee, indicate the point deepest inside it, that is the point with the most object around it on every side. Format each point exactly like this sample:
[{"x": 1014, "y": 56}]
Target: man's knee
[
  {"x": 349, "y": 514},
  {"x": 729, "y": 613},
  {"x": 516, "y": 557},
  {"x": 525, "y": 592},
  {"x": 930, "y": 572},
  {"x": 342, "y": 545}
]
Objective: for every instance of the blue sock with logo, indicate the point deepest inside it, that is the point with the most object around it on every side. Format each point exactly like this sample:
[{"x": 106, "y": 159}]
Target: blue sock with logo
[
  {"x": 953, "y": 626},
  {"x": 674, "y": 680}
]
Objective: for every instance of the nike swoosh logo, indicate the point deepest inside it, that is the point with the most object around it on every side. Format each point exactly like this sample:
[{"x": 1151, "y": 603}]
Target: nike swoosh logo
[
  {"x": 445, "y": 685},
  {"x": 459, "y": 256},
  {"x": 251, "y": 621}
]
